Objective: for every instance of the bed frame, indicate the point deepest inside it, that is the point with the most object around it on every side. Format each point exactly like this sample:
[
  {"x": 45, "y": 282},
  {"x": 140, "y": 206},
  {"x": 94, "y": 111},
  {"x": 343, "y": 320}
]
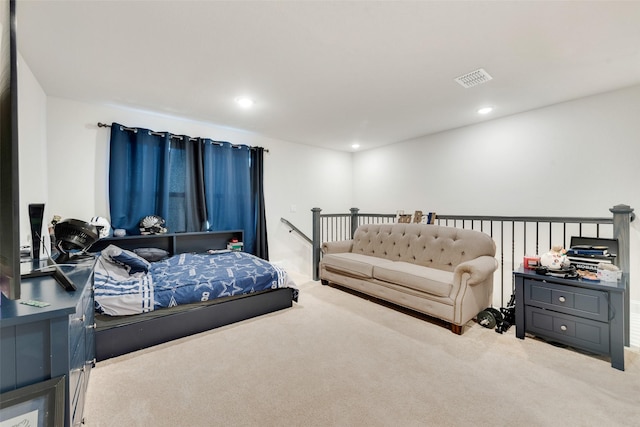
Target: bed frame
[{"x": 121, "y": 335}]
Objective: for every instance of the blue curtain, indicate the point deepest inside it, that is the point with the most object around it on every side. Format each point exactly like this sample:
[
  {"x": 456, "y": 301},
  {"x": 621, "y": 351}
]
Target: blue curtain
[
  {"x": 227, "y": 182},
  {"x": 257, "y": 190},
  {"x": 138, "y": 182},
  {"x": 187, "y": 208},
  {"x": 194, "y": 184}
]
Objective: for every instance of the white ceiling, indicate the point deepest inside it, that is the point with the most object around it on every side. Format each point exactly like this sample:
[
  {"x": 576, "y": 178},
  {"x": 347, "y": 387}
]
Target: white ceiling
[{"x": 330, "y": 73}]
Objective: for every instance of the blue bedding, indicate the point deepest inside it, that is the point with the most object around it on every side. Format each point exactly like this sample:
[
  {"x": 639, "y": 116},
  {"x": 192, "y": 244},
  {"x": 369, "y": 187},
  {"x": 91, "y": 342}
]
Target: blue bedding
[{"x": 180, "y": 279}]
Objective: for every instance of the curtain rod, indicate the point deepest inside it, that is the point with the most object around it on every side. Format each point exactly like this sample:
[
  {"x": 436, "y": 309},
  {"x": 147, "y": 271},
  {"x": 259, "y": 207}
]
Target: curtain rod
[{"x": 105, "y": 125}]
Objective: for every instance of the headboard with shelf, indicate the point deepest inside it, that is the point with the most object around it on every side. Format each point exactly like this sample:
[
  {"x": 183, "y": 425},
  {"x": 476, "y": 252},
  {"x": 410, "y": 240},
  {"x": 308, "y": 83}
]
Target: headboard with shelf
[{"x": 174, "y": 243}]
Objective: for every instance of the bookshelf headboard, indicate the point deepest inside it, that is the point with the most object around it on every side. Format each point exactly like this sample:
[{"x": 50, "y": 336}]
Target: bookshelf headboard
[{"x": 174, "y": 243}]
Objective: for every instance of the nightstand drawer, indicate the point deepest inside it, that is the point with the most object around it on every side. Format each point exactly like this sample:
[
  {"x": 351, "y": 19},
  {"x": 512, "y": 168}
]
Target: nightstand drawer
[
  {"x": 574, "y": 331},
  {"x": 588, "y": 303}
]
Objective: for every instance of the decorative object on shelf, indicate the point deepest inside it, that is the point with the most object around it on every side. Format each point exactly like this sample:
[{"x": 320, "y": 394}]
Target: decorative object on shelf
[
  {"x": 102, "y": 224},
  {"x": 152, "y": 224},
  {"x": 418, "y": 217},
  {"x": 404, "y": 219},
  {"x": 555, "y": 259},
  {"x": 234, "y": 245},
  {"x": 429, "y": 218},
  {"x": 119, "y": 232}
]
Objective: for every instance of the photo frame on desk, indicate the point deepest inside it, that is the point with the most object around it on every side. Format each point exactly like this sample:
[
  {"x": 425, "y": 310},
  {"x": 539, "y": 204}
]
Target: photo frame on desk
[{"x": 40, "y": 404}]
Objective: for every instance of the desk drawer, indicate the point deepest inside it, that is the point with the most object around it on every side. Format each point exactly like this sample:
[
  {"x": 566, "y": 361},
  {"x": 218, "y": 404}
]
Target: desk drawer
[
  {"x": 576, "y": 301},
  {"x": 574, "y": 331}
]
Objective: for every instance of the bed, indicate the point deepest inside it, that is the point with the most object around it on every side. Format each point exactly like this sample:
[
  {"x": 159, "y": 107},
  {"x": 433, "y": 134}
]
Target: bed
[{"x": 178, "y": 295}]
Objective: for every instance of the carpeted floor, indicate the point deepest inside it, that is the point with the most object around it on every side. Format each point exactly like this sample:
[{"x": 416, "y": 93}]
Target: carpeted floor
[{"x": 336, "y": 359}]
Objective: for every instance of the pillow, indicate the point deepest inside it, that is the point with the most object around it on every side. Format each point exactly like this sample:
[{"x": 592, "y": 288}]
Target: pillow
[
  {"x": 129, "y": 260},
  {"x": 151, "y": 254}
]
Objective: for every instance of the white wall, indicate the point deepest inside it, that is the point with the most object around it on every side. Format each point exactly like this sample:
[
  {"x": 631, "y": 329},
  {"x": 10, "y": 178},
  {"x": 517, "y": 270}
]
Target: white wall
[
  {"x": 577, "y": 158},
  {"x": 295, "y": 175},
  {"x": 32, "y": 149}
]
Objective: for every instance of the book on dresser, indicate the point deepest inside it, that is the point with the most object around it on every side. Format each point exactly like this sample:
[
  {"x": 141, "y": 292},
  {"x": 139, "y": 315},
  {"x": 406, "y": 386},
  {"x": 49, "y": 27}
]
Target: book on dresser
[
  {"x": 586, "y": 253},
  {"x": 587, "y": 250}
]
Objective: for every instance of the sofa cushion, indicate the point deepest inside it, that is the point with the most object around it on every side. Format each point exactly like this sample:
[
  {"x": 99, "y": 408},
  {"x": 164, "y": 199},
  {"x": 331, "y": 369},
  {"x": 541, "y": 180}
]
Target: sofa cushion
[
  {"x": 357, "y": 265},
  {"x": 424, "y": 279}
]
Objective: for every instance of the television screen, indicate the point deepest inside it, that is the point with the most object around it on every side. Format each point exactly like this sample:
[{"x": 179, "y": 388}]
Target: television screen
[{"x": 9, "y": 189}]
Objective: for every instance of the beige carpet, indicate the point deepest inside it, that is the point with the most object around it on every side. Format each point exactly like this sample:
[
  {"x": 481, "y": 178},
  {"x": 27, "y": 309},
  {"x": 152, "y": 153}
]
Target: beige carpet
[{"x": 336, "y": 359}]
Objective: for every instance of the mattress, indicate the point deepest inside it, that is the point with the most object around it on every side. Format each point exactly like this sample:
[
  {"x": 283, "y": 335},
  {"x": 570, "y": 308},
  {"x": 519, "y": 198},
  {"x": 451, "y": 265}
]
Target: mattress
[{"x": 126, "y": 284}]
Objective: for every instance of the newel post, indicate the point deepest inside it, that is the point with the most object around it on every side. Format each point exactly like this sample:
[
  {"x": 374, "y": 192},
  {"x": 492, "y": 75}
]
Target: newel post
[
  {"x": 315, "y": 245},
  {"x": 354, "y": 220},
  {"x": 622, "y": 217}
]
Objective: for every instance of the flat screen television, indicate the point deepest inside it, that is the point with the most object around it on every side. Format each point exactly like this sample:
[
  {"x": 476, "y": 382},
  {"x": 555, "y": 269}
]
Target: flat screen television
[{"x": 9, "y": 188}]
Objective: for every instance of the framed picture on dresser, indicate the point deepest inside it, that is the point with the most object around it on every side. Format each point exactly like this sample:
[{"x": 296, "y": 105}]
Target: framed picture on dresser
[{"x": 40, "y": 404}]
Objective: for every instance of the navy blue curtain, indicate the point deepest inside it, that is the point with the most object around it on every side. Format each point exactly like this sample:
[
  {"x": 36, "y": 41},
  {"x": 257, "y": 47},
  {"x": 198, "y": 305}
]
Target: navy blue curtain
[
  {"x": 257, "y": 190},
  {"x": 194, "y": 184},
  {"x": 227, "y": 182},
  {"x": 195, "y": 209},
  {"x": 155, "y": 173},
  {"x": 138, "y": 182}
]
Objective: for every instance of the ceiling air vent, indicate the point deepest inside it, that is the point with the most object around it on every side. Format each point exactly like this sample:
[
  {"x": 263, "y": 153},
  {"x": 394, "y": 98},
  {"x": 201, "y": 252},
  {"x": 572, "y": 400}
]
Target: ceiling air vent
[{"x": 473, "y": 78}]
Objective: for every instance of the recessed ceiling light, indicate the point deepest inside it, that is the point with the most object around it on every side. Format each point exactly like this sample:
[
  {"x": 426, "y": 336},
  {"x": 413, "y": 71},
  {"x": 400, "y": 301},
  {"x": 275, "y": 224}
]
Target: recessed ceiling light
[
  {"x": 485, "y": 110},
  {"x": 245, "y": 102},
  {"x": 355, "y": 146}
]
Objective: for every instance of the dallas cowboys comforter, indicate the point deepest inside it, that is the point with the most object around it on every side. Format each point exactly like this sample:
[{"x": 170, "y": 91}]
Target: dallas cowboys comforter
[{"x": 127, "y": 284}]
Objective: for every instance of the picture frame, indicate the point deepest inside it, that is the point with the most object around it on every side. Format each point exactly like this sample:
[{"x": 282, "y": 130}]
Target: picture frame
[
  {"x": 404, "y": 219},
  {"x": 40, "y": 404}
]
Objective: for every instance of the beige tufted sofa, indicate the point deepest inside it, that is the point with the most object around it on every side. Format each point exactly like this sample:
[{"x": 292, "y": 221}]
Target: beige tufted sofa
[{"x": 443, "y": 272}]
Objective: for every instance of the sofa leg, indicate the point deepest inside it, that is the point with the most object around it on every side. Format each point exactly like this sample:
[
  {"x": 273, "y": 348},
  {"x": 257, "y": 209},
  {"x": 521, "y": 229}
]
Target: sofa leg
[
  {"x": 324, "y": 282},
  {"x": 456, "y": 329}
]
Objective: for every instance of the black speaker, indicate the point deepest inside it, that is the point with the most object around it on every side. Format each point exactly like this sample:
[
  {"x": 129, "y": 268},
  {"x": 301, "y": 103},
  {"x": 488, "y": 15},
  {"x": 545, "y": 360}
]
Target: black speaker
[{"x": 36, "y": 212}]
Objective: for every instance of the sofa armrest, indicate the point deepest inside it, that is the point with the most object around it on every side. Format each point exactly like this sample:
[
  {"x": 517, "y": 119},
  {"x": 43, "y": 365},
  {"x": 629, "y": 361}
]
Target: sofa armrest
[
  {"x": 337, "y": 247},
  {"x": 479, "y": 269}
]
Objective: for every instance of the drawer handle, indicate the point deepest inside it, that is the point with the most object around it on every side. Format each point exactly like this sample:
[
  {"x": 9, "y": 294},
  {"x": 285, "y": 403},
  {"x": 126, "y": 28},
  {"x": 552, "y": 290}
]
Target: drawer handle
[
  {"x": 92, "y": 326},
  {"x": 562, "y": 299},
  {"x": 563, "y": 327},
  {"x": 82, "y": 369}
]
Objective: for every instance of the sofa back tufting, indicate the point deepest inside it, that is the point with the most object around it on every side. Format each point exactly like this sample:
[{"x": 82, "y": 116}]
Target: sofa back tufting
[{"x": 430, "y": 245}]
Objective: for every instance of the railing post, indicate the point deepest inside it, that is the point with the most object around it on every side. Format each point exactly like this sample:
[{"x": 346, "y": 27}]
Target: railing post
[
  {"x": 622, "y": 217},
  {"x": 354, "y": 220},
  {"x": 315, "y": 245}
]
